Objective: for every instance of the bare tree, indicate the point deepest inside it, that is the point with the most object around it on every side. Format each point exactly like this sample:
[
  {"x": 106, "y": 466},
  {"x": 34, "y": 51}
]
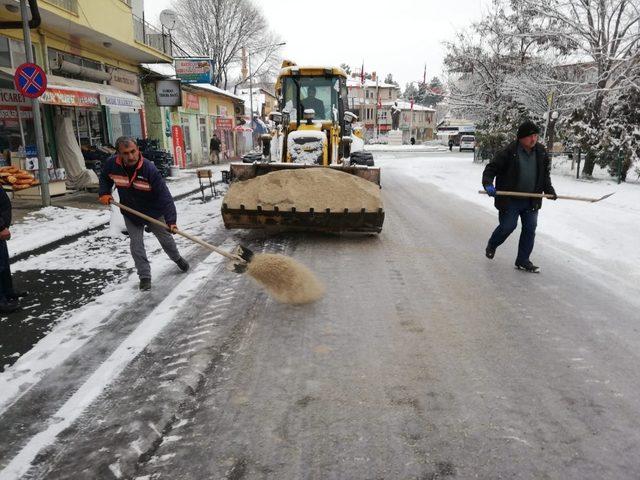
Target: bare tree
[{"x": 220, "y": 29}]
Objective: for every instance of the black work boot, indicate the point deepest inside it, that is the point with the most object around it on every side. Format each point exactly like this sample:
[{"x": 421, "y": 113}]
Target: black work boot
[
  {"x": 182, "y": 264},
  {"x": 9, "y": 306},
  {"x": 145, "y": 284},
  {"x": 490, "y": 252},
  {"x": 528, "y": 267}
]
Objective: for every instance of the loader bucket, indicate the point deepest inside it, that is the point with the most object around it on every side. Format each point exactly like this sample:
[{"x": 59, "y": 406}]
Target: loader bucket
[{"x": 300, "y": 216}]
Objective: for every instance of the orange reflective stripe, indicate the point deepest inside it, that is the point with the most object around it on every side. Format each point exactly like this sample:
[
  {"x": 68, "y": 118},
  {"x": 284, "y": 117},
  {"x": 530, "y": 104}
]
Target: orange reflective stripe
[
  {"x": 144, "y": 186},
  {"x": 119, "y": 180}
]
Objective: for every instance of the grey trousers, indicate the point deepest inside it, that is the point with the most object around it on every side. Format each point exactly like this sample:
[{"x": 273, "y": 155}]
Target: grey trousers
[{"x": 136, "y": 243}]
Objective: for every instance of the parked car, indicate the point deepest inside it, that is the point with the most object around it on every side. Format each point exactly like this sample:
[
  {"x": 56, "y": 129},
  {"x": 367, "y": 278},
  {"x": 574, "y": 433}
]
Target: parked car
[{"x": 468, "y": 142}]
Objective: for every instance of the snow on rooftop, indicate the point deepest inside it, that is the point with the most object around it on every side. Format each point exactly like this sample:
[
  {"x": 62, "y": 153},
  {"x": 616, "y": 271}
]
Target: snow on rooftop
[
  {"x": 355, "y": 83},
  {"x": 168, "y": 70},
  {"x": 164, "y": 69},
  {"x": 404, "y": 105}
]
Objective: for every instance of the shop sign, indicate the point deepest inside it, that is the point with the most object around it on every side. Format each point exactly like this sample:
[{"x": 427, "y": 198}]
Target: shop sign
[
  {"x": 224, "y": 123},
  {"x": 194, "y": 70},
  {"x": 192, "y": 102},
  {"x": 8, "y": 112},
  {"x": 70, "y": 98},
  {"x": 168, "y": 93},
  {"x": 11, "y": 97},
  {"x": 113, "y": 101},
  {"x": 179, "y": 153},
  {"x": 124, "y": 80}
]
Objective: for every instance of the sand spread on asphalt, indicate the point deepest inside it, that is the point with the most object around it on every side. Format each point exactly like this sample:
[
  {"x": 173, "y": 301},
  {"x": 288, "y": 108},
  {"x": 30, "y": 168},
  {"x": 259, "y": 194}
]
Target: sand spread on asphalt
[
  {"x": 317, "y": 188},
  {"x": 285, "y": 279}
]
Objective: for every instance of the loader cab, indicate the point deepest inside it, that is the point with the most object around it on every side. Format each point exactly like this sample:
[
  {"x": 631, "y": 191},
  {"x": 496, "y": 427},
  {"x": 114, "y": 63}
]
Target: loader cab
[{"x": 325, "y": 94}]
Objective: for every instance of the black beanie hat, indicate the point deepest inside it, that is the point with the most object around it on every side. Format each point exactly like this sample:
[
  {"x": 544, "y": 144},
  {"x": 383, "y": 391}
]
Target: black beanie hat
[{"x": 527, "y": 128}]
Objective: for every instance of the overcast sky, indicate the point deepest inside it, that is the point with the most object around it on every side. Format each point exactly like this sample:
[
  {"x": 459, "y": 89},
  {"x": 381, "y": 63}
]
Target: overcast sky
[{"x": 391, "y": 36}]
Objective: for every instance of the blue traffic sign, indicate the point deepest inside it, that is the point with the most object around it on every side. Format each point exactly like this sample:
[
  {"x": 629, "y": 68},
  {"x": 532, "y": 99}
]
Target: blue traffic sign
[{"x": 30, "y": 80}]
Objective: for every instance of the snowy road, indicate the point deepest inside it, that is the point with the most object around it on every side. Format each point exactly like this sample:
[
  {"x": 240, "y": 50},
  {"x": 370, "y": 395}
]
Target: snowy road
[{"x": 425, "y": 360}]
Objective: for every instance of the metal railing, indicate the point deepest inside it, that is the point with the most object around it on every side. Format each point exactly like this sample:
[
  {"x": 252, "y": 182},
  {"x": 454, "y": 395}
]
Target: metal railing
[
  {"x": 69, "y": 5},
  {"x": 145, "y": 33}
]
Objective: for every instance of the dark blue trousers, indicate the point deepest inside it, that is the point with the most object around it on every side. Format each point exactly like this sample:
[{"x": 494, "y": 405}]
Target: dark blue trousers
[
  {"x": 6, "y": 285},
  {"x": 508, "y": 217}
]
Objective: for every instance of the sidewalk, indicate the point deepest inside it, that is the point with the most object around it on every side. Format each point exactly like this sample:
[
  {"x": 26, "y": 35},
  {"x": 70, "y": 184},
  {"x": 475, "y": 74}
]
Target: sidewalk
[{"x": 70, "y": 216}]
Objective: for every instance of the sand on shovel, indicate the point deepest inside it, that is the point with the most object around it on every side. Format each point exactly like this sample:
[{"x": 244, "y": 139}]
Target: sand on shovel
[
  {"x": 285, "y": 279},
  {"x": 317, "y": 188}
]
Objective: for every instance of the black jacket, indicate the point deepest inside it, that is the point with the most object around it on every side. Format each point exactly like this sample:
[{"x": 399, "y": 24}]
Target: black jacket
[
  {"x": 504, "y": 168},
  {"x": 5, "y": 210},
  {"x": 214, "y": 144}
]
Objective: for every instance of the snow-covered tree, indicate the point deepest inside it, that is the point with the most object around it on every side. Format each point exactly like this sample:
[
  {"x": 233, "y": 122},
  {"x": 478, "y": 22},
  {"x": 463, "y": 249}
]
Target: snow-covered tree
[
  {"x": 603, "y": 38},
  {"x": 389, "y": 79}
]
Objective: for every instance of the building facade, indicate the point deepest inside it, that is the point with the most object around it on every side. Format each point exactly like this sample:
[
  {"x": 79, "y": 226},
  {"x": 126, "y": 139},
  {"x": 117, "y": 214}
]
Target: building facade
[
  {"x": 91, "y": 52},
  {"x": 186, "y": 130}
]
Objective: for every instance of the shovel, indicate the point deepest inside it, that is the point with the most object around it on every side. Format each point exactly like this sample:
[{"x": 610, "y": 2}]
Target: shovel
[
  {"x": 547, "y": 195},
  {"x": 241, "y": 256},
  {"x": 285, "y": 279}
]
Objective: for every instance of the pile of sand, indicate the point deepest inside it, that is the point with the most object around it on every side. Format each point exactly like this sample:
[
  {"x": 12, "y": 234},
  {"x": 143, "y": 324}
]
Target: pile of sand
[
  {"x": 317, "y": 188},
  {"x": 285, "y": 279}
]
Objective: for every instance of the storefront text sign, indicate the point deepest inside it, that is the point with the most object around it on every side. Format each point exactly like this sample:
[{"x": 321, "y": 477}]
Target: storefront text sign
[
  {"x": 168, "y": 93},
  {"x": 224, "y": 123},
  {"x": 112, "y": 101},
  {"x": 70, "y": 98},
  {"x": 179, "y": 153},
  {"x": 124, "y": 80},
  {"x": 192, "y": 102},
  {"x": 194, "y": 70},
  {"x": 11, "y": 97}
]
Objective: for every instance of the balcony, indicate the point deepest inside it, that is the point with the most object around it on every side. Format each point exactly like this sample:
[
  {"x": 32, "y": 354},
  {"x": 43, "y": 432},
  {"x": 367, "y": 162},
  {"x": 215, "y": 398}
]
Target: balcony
[
  {"x": 145, "y": 33},
  {"x": 68, "y": 5}
]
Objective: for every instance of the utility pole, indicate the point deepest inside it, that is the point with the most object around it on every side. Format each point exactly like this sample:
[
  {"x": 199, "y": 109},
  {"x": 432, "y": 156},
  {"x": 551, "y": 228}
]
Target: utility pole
[
  {"x": 377, "y": 111},
  {"x": 251, "y": 100},
  {"x": 35, "y": 106}
]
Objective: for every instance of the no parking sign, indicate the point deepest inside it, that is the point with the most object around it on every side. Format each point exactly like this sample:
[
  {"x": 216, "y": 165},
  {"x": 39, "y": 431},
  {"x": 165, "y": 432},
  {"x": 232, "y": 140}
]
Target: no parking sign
[{"x": 30, "y": 80}]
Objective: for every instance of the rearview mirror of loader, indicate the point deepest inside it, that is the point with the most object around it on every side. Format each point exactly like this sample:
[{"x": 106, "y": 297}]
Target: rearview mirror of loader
[{"x": 350, "y": 117}]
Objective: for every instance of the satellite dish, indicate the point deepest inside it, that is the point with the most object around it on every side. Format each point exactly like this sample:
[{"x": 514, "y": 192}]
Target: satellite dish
[{"x": 168, "y": 19}]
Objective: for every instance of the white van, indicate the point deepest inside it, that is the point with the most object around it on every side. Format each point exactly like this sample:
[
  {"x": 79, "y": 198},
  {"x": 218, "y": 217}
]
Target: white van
[{"x": 468, "y": 142}]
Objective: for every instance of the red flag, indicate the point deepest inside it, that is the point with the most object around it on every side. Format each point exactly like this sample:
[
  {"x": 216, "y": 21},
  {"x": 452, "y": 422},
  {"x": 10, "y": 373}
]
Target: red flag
[
  {"x": 411, "y": 102},
  {"x": 362, "y": 73}
]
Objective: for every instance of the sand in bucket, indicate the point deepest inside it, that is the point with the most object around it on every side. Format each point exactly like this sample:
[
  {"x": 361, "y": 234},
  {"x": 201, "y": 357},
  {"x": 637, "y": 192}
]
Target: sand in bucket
[{"x": 285, "y": 279}]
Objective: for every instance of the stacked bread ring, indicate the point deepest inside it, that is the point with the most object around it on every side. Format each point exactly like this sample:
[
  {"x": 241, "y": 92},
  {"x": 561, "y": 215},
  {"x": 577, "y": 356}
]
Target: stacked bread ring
[{"x": 16, "y": 178}]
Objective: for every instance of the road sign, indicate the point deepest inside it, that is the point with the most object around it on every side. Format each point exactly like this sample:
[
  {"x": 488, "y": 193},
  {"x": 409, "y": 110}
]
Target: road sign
[{"x": 30, "y": 80}]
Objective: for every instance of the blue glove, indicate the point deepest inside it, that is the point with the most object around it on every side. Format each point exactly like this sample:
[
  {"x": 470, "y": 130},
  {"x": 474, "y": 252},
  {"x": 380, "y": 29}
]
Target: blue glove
[{"x": 491, "y": 190}]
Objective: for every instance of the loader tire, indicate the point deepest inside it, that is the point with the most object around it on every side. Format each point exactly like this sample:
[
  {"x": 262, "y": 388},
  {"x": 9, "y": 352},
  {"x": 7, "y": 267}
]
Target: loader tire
[{"x": 362, "y": 158}]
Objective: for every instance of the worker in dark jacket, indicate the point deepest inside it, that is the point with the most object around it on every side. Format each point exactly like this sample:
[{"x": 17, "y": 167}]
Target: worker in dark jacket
[
  {"x": 8, "y": 296},
  {"x": 523, "y": 166},
  {"x": 214, "y": 149},
  {"x": 141, "y": 187}
]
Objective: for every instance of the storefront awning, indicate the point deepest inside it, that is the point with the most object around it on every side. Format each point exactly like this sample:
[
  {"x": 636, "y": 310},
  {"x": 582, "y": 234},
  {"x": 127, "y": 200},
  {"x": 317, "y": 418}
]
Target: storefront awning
[{"x": 79, "y": 93}]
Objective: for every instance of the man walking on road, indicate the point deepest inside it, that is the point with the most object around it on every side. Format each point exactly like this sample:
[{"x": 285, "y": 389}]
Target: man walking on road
[
  {"x": 214, "y": 149},
  {"x": 141, "y": 187},
  {"x": 523, "y": 166}
]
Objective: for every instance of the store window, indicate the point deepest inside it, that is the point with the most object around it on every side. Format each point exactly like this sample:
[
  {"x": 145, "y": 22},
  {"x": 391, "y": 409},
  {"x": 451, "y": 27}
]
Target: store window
[
  {"x": 18, "y": 53},
  {"x": 5, "y": 55}
]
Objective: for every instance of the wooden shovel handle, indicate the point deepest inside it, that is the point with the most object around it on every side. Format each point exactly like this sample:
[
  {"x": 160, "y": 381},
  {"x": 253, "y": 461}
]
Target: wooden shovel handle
[
  {"x": 193, "y": 238},
  {"x": 543, "y": 195}
]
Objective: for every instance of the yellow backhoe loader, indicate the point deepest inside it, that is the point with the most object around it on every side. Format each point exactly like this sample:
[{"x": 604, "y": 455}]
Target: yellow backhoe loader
[{"x": 313, "y": 129}]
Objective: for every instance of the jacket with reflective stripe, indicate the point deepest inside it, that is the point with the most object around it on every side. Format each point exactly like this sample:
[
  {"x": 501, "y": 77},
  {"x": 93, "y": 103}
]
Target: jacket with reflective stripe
[{"x": 145, "y": 191}]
